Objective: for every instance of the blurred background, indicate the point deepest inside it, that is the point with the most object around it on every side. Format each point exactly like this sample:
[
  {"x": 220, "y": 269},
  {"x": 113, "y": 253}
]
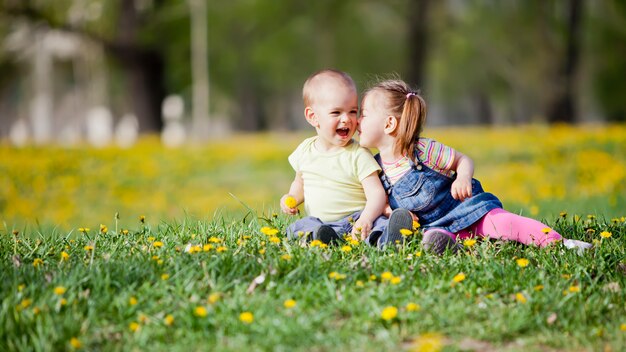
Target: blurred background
[{"x": 131, "y": 78}]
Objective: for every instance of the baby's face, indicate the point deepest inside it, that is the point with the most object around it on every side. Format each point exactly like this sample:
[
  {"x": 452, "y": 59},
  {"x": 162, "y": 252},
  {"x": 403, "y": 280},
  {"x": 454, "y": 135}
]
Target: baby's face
[{"x": 335, "y": 108}]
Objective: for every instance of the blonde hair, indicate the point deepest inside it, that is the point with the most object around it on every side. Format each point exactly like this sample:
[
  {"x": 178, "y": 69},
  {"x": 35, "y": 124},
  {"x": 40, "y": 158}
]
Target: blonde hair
[
  {"x": 309, "y": 89},
  {"x": 406, "y": 105}
]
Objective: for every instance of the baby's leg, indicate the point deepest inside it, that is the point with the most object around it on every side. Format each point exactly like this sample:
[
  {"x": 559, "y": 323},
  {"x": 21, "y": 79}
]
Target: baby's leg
[{"x": 501, "y": 224}]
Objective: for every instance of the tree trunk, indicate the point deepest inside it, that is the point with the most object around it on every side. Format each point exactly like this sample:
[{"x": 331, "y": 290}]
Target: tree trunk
[
  {"x": 418, "y": 19},
  {"x": 562, "y": 108}
]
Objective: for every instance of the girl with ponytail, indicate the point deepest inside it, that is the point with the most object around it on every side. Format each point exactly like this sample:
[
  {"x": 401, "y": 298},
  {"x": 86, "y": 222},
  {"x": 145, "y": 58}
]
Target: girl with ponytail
[{"x": 434, "y": 182}]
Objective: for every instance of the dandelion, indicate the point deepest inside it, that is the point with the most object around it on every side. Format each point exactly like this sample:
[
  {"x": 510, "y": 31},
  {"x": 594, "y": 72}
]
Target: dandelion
[
  {"x": 274, "y": 239},
  {"x": 221, "y": 249},
  {"x": 207, "y": 247},
  {"x": 75, "y": 343},
  {"x": 104, "y": 228},
  {"x": 406, "y": 232},
  {"x": 418, "y": 254},
  {"x": 124, "y": 232},
  {"x": 605, "y": 234},
  {"x": 133, "y": 326},
  {"x": 165, "y": 276},
  {"x": 214, "y": 239},
  {"x": 458, "y": 278},
  {"x": 429, "y": 342},
  {"x": 290, "y": 303},
  {"x": 142, "y": 219},
  {"x": 386, "y": 276},
  {"x": 317, "y": 243},
  {"x": 268, "y": 231},
  {"x": 538, "y": 288},
  {"x": 389, "y": 313},
  {"x": 359, "y": 283},
  {"x": 214, "y": 297},
  {"x": 262, "y": 251},
  {"x": 563, "y": 214},
  {"x": 132, "y": 300},
  {"x": 412, "y": 307},
  {"x": 200, "y": 311},
  {"x": 522, "y": 262},
  {"x": 246, "y": 317},
  {"x": 84, "y": 230},
  {"x": 25, "y": 303},
  {"x": 64, "y": 256},
  {"x": 20, "y": 287},
  {"x": 286, "y": 257},
  {"x": 59, "y": 290},
  {"x": 337, "y": 276},
  {"x": 88, "y": 248},
  {"x": 395, "y": 280},
  {"x": 373, "y": 277},
  {"x": 520, "y": 297},
  {"x": 157, "y": 244},
  {"x": 151, "y": 238},
  {"x": 291, "y": 202},
  {"x": 168, "y": 320},
  {"x": 574, "y": 289},
  {"x": 37, "y": 262},
  {"x": 546, "y": 230},
  {"x": 62, "y": 302},
  {"x": 469, "y": 242},
  {"x": 346, "y": 249},
  {"x": 622, "y": 327}
]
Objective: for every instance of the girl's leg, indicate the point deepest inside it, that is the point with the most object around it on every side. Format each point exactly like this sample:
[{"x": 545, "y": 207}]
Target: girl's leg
[{"x": 501, "y": 224}]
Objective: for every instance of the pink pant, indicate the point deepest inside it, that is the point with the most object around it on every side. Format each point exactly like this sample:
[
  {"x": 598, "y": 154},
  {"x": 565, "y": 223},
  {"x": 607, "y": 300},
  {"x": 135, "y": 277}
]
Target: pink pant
[{"x": 503, "y": 225}]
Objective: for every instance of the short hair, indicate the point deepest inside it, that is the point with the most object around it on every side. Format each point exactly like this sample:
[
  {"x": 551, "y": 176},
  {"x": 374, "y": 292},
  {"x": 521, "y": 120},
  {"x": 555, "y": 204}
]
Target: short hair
[{"x": 308, "y": 90}]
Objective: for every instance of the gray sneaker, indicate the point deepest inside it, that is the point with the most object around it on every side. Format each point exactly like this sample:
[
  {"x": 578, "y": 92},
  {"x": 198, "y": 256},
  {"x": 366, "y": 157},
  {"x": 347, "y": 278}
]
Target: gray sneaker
[
  {"x": 438, "y": 242},
  {"x": 326, "y": 234},
  {"x": 400, "y": 219}
]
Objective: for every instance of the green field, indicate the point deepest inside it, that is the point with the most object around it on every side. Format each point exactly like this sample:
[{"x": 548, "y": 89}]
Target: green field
[{"x": 208, "y": 267}]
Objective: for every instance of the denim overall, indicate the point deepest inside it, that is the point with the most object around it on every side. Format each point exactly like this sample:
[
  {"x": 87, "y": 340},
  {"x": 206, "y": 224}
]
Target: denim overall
[{"x": 426, "y": 193}]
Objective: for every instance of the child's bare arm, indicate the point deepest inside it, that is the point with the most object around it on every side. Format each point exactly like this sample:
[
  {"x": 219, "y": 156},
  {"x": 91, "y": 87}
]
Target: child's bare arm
[
  {"x": 296, "y": 191},
  {"x": 374, "y": 207},
  {"x": 464, "y": 168}
]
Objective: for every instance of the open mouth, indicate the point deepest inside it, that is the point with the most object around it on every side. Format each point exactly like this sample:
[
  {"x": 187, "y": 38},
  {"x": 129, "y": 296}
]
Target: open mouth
[{"x": 343, "y": 132}]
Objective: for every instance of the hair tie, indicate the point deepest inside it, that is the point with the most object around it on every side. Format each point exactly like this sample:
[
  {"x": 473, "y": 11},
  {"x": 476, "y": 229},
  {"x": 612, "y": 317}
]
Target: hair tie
[{"x": 410, "y": 94}]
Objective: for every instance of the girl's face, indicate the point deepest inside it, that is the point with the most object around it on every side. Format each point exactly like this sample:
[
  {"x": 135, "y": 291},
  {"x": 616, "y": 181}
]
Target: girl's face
[{"x": 373, "y": 119}]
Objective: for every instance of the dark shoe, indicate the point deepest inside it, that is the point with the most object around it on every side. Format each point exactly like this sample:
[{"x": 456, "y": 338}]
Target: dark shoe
[
  {"x": 400, "y": 219},
  {"x": 438, "y": 242},
  {"x": 326, "y": 234}
]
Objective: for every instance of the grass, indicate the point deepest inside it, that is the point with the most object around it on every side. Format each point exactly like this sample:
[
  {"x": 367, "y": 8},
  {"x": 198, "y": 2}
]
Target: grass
[{"x": 118, "y": 295}]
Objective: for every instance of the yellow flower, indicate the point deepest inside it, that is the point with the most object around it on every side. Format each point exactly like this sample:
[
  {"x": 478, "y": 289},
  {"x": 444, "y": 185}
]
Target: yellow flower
[
  {"x": 132, "y": 300},
  {"x": 605, "y": 234},
  {"x": 563, "y": 214},
  {"x": 418, "y": 253},
  {"x": 221, "y": 249},
  {"x": 25, "y": 303},
  {"x": 538, "y": 288},
  {"x": 75, "y": 343},
  {"x": 134, "y": 326},
  {"x": 285, "y": 257},
  {"x": 291, "y": 202},
  {"x": 469, "y": 242},
  {"x": 214, "y": 297},
  {"x": 88, "y": 248},
  {"x": 546, "y": 230},
  {"x": 395, "y": 280},
  {"x": 83, "y": 229},
  {"x": 566, "y": 276},
  {"x": 124, "y": 232},
  {"x": 59, "y": 290},
  {"x": 142, "y": 218},
  {"x": 406, "y": 232},
  {"x": 65, "y": 256},
  {"x": 522, "y": 262},
  {"x": 346, "y": 249},
  {"x": 429, "y": 342},
  {"x": 246, "y": 317},
  {"x": 520, "y": 297},
  {"x": 574, "y": 289},
  {"x": 274, "y": 239},
  {"x": 103, "y": 228},
  {"x": 269, "y": 231},
  {"x": 165, "y": 276},
  {"x": 151, "y": 238},
  {"x": 416, "y": 225},
  {"x": 168, "y": 320},
  {"x": 412, "y": 307},
  {"x": 316, "y": 243},
  {"x": 37, "y": 262},
  {"x": 262, "y": 251},
  {"x": 157, "y": 244},
  {"x": 622, "y": 327},
  {"x": 62, "y": 302},
  {"x": 389, "y": 313},
  {"x": 372, "y": 277},
  {"x": 337, "y": 276},
  {"x": 458, "y": 278},
  {"x": 200, "y": 311},
  {"x": 207, "y": 247},
  {"x": 386, "y": 276},
  {"x": 214, "y": 239},
  {"x": 290, "y": 303},
  {"x": 359, "y": 283}
]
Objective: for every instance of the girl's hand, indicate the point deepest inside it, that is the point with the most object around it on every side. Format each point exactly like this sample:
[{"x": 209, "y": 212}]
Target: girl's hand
[
  {"x": 461, "y": 188},
  {"x": 289, "y": 205}
]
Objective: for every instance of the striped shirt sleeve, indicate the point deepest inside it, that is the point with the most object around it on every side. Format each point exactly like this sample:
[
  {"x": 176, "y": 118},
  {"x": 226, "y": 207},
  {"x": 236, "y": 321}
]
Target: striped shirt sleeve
[{"x": 436, "y": 156}]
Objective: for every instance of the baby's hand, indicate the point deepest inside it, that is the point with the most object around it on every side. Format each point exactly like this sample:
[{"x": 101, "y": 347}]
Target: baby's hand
[
  {"x": 361, "y": 228},
  {"x": 461, "y": 188},
  {"x": 289, "y": 205}
]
